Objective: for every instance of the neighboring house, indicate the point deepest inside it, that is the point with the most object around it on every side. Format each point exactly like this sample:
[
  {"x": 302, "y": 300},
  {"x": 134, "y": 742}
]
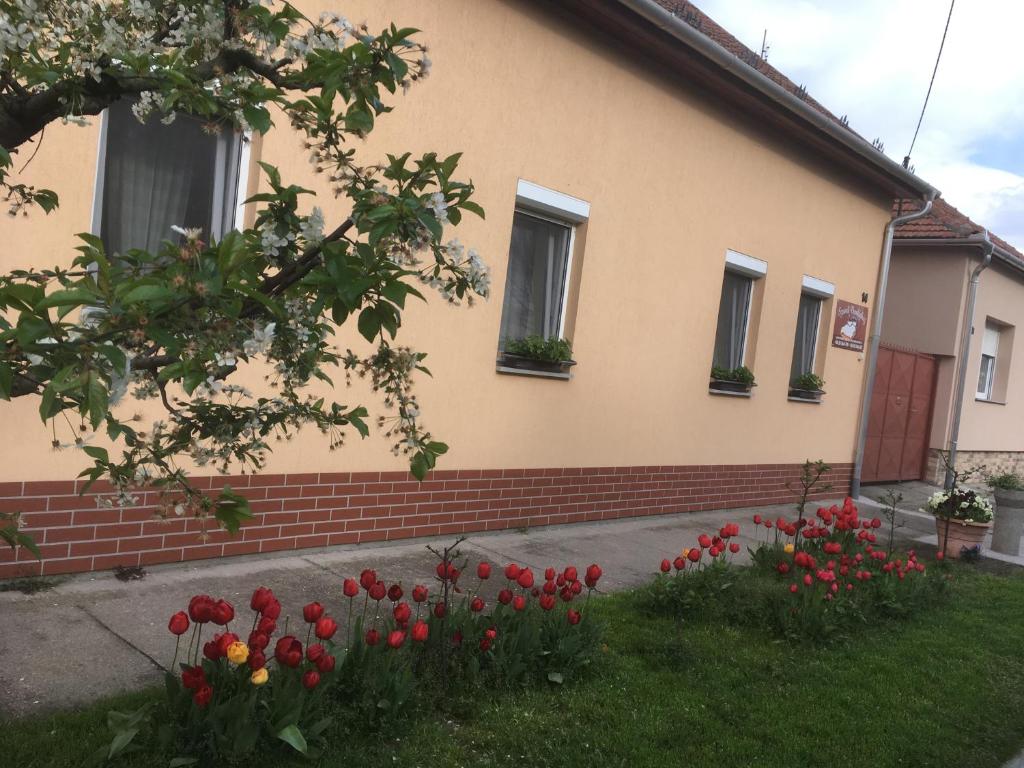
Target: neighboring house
[
  {"x": 924, "y": 323},
  {"x": 654, "y": 191}
]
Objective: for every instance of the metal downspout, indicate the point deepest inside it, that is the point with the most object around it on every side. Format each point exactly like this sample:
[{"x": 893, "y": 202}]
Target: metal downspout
[
  {"x": 876, "y": 338},
  {"x": 965, "y": 350}
]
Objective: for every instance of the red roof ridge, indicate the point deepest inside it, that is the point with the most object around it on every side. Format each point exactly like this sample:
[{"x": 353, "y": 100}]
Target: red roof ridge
[{"x": 944, "y": 222}]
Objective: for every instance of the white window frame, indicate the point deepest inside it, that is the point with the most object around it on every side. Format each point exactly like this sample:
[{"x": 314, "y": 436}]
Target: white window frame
[
  {"x": 565, "y": 211},
  {"x": 752, "y": 269},
  {"x": 244, "y": 158},
  {"x": 989, "y": 359}
]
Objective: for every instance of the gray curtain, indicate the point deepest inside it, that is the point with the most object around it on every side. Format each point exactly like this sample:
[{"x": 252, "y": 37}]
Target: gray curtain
[
  {"x": 157, "y": 175},
  {"x": 733, "y": 310},
  {"x": 806, "y": 340},
  {"x": 535, "y": 282}
]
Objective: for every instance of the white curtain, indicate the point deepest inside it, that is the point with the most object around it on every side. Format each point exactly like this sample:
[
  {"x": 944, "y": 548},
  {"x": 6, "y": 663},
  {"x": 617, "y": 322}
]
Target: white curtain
[
  {"x": 535, "y": 282},
  {"x": 732, "y": 321},
  {"x": 157, "y": 175},
  {"x": 806, "y": 340}
]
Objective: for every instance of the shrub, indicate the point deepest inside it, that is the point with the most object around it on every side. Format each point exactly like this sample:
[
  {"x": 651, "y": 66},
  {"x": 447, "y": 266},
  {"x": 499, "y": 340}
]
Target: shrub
[
  {"x": 808, "y": 381},
  {"x": 553, "y": 350},
  {"x": 741, "y": 375},
  {"x": 1007, "y": 481}
]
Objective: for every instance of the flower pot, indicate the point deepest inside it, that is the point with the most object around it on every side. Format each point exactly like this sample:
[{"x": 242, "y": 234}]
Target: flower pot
[
  {"x": 807, "y": 394},
  {"x": 1008, "y": 522},
  {"x": 532, "y": 364},
  {"x": 962, "y": 533},
  {"x": 722, "y": 385}
]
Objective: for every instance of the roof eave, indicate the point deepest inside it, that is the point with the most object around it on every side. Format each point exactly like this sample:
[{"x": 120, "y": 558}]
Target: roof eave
[
  {"x": 998, "y": 251},
  {"x": 647, "y": 23}
]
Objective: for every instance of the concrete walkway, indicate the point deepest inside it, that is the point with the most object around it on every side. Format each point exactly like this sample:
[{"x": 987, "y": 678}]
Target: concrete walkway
[{"x": 93, "y": 635}]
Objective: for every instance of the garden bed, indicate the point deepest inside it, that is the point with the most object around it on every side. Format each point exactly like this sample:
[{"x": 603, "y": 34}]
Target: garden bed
[{"x": 942, "y": 688}]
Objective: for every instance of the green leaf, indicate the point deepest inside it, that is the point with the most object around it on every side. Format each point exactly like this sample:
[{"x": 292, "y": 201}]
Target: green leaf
[
  {"x": 100, "y": 454},
  {"x": 469, "y": 205},
  {"x": 293, "y": 736},
  {"x": 148, "y": 293},
  {"x": 97, "y": 399},
  {"x": 257, "y": 117},
  {"x": 556, "y": 677},
  {"x": 6, "y": 381},
  {"x": 69, "y": 297},
  {"x": 231, "y": 509},
  {"x": 181, "y": 762},
  {"x": 121, "y": 740},
  {"x": 369, "y": 323},
  {"x": 419, "y": 466}
]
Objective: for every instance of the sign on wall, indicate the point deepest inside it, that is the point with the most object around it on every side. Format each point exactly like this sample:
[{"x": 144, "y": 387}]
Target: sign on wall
[{"x": 851, "y": 326}]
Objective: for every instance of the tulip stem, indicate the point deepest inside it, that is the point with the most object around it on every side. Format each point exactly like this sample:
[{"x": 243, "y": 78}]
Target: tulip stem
[{"x": 177, "y": 645}]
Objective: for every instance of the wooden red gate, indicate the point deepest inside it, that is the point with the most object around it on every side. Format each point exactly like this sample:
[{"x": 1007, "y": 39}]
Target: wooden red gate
[{"x": 901, "y": 416}]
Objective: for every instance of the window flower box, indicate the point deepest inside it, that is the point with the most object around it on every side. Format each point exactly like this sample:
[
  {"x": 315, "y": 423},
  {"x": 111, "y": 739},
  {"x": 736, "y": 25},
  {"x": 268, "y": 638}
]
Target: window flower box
[
  {"x": 813, "y": 395},
  {"x": 807, "y": 386},
  {"x": 732, "y": 380},
  {"x": 521, "y": 362}
]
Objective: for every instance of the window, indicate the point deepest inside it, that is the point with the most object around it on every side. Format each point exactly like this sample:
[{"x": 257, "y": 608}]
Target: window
[
  {"x": 805, "y": 345},
  {"x": 155, "y": 176},
  {"x": 540, "y": 263},
  {"x": 538, "y": 268},
  {"x": 733, "y": 316},
  {"x": 989, "y": 353},
  {"x": 735, "y": 309}
]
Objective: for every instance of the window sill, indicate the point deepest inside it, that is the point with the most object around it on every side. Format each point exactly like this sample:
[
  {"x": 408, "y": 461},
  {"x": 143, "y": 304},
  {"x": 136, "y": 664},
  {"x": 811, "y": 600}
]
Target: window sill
[
  {"x": 990, "y": 401},
  {"x": 803, "y": 400},
  {"x": 509, "y": 371},
  {"x": 723, "y": 393}
]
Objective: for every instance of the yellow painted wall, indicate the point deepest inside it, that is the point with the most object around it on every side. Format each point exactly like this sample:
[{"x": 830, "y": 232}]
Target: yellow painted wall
[{"x": 673, "y": 182}]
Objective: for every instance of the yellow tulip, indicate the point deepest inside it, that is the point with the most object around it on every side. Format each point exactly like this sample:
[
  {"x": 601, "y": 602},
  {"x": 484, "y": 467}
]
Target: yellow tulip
[
  {"x": 788, "y": 549},
  {"x": 238, "y": 652},
  {"x": 259, "y": 677},
  {"x": 686, "y": 552}
]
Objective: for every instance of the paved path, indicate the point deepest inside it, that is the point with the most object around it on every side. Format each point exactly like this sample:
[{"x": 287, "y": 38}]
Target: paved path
[{"x": 93, "y": 635}]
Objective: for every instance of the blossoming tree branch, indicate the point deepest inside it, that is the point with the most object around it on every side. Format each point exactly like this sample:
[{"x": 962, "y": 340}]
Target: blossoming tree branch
[{"x": 175, "y": 324}]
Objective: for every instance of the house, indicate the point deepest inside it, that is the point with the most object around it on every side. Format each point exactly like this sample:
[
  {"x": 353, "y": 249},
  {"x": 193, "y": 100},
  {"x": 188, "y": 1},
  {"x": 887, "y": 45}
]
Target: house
[
  {"x": 924, "y": 326},
  {"x": 655, "y": 192}
]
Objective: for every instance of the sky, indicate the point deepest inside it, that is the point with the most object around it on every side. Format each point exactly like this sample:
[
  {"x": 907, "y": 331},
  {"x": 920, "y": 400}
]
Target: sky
[{"x": 872, "y": 59}]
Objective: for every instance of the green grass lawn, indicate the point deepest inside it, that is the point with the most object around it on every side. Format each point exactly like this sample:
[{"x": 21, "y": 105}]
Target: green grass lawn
[{"x": 943, "y": 689}]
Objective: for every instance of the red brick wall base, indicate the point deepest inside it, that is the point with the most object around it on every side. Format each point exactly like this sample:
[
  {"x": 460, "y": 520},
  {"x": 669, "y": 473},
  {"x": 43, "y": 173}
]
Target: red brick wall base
[{"x": 77, "y": 534}]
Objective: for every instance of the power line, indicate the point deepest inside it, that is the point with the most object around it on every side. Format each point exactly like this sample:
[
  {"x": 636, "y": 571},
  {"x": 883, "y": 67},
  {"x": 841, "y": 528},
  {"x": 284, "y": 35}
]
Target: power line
[{"x": 906, "y": 160}]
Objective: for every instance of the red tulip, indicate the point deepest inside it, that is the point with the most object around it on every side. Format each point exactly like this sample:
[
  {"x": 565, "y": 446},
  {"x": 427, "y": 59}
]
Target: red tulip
[
  {"x": 200, "y": 609},
  {"x": 256, "y": 660},
  {"x": 483, "y": 570},
  {"x": 314, "y": 652},
  {"x": 694, "y": 554},
  {"x": 566, "y": 594},
  {"x": 193, "y": 678},
  {"x": 476, "y": 605},
  {"x": 757, "y": 519},
  {"x": 202, "y": 696},
  {"x": 288, "y": 651},
  {"x": 734, "y": 547},
  {"x": 808, "y": 580},
  {"x": 395, "y": 593},
  {"x": 223, "y": 612},
  {"x": 518, "y": 603},
  {"x": 549, "y": 574},
  {"x": 396, "y": 638},
  {"x": 419, "y": 594},
  {"x": 312, "y": 612},
  {"x": 876, "y": 523},
  {"x": 525, "y": 578},
  {"x": 367, "y": 579},
  {"x": 704, "y": 540},
  {"x": 570, "y": 573},
  {"x": 377, "y": 591},
  {"x": 272, "y": 609},
  {"x": 402, "y": 613},
  {"x": 311, "y": 679},
  {"x": 490, "y": 633},
  {"x": 594, "y": 573},
  {"x": 372, "y": 637},
  {"x": 576, "y": 587},
  {"x": 505, "y": 596},
  {"x": 679, "y": 563},
  {"x": 714, "y": 551},
  {"x": 511, "y": 571},
  {"x": 350, "y": 588},
  {"x": 258, "y": 641},
  {"x": 485, "y": 645},
  {"x": 447, "y": 572},
  {"x": 325, "y": 628},
  {"x": 547, "y": 602},
  {"x": 266, "y": 626},
  {"x": 573, "y": 617},
  {"x": 793, "y": 588},
  {"x": 325, "y": 664},
  {"x": 782, "y": 568},
  {"x": 178, "y": 625},
  {"x": 666, "y": 566},
  {"x": 440, "y": 609},
  {"x": 420, "y": 631},
  {"x": 260, "y": 598}
]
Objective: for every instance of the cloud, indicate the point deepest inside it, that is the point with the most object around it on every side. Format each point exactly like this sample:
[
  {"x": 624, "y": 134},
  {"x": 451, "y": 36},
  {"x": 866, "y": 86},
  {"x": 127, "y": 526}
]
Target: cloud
[{"x": 872, "y": 60}]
